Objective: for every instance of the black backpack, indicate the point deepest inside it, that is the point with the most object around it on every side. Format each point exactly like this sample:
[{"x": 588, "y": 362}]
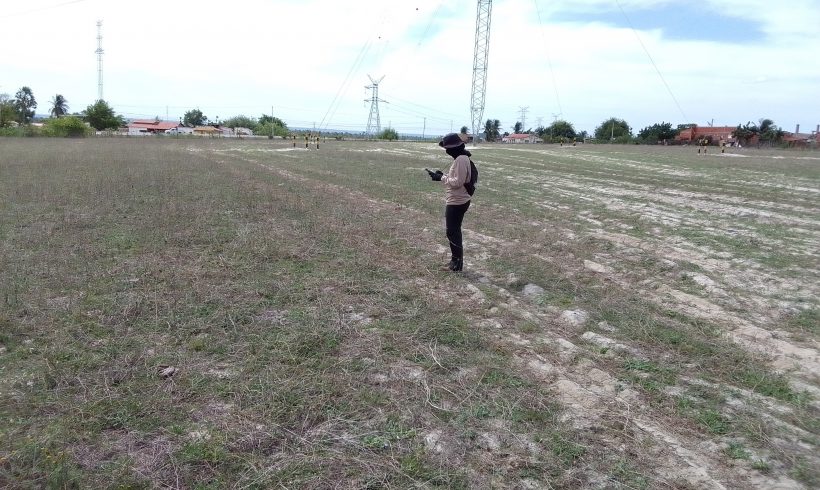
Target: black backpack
[{"x": 470, "y": 186}]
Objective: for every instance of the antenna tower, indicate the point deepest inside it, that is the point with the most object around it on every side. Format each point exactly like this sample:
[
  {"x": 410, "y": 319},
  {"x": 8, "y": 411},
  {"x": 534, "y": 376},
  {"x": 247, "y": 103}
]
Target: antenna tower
[
  {"x": 374, "y": 125},
  {"x": 482, "y": 47},
  {"x": 99, "y": 52}
]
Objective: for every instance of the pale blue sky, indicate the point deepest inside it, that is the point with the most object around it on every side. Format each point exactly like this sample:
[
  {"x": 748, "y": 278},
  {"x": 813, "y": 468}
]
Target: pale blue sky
[{"x": 724, "y": 60}]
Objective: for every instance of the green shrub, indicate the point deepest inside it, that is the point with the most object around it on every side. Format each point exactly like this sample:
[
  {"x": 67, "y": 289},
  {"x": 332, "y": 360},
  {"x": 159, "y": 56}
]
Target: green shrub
[
  {"x": 20, "y": 131},
  {"x": 389, "y": 134},
  {"x": 66, "y": 127}
]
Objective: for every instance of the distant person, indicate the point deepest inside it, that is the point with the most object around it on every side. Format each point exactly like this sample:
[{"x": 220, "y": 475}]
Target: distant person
[
  {"x": 307, "y": 141},
  {"x": 457, "y": 198}
]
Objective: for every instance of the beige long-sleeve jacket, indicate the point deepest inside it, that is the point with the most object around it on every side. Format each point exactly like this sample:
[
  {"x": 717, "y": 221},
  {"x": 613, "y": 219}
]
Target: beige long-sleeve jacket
[{"x": 454, "y": 181}]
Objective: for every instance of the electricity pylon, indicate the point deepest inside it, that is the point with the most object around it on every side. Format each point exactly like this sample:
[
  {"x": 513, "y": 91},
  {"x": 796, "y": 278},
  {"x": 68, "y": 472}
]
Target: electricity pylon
[
  {"x": 482, "y": 47},
  {"x": 99, "y": 52},
  {"x": 373, "y": 120}
]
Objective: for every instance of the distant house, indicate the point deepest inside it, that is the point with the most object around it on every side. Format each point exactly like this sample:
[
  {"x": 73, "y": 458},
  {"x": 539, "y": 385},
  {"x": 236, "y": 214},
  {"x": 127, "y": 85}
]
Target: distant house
[
  {"x": 714, "y": 134},
  {"x": 521, "y": 138},
  {"x": 243, "y": 131},
  {"x": 180, "y": 130},
  {"x": 144, "y": 127},
  {"x": 207, "y": 131},
  {"x": 800, "y": 140}
]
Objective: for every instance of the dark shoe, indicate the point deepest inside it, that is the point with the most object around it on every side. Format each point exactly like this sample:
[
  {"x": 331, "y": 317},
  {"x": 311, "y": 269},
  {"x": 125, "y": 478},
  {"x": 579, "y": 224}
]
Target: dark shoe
[{"x": 455, "y": 265}]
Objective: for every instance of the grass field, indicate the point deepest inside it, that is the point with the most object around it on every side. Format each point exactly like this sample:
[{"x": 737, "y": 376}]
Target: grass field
[{"x": 212, "y": 314}]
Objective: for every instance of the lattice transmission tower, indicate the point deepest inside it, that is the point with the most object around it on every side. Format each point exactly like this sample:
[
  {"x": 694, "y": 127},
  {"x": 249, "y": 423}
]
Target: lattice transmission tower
[
  {"x": 482, "y": 47},
  {"x": 99, "y": 52},
  {"x": 373, "y": 120}
]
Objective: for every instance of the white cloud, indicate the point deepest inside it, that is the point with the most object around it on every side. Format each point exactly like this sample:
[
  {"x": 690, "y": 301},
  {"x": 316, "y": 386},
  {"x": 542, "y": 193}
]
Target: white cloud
[{"x": 242, "y": 58}]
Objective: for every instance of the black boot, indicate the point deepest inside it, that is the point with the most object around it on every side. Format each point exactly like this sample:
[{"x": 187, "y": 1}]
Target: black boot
[{"x": 455, "y": 265}]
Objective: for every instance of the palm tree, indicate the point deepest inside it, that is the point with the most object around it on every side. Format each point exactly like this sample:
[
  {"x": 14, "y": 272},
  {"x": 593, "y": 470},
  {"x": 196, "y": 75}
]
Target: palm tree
[
  {"x": 59, "y": 106},
  {"x": 492, "y": 128}
]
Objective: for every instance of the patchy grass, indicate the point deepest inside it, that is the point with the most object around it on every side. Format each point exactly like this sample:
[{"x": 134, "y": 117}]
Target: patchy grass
[{"x": 314, "y": 343}]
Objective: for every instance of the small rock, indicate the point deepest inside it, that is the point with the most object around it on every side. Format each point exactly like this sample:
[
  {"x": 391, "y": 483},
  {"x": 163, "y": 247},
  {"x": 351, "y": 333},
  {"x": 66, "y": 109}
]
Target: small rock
[
  {"x": 541, "y": 368},
  {"x": 606, "y": 327},
  {"x": 667, "y": 264},
  {"x": 565, "y": 345},
  {"x": 596, "y": 267},
  {"x": 432, "y": 441},
  {"x": 167, "y": 371},
  {"x": 513, "y": 280},
  {"x": 533, "y": 290},
  {"x": 575, "y": 318},
  {"x": 478, "y": 295},
  {"x": 489, "y": 441},
  {"x": 358, "y": 318},
  {"x": 605, "y": 342},
  {"x": 702, "y": 280},
  {"x": 199, "y": 435},
  {"x": 491, "y": 323}
]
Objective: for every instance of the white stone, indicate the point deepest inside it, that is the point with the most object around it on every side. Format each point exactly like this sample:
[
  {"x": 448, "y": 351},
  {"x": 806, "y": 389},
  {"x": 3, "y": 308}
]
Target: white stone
[
  {"x": 432, "y": 441},
  {"x": 575, "y": 318},
  {"x": 533, "y": 290},
  {"x": 596, "y": 267}
]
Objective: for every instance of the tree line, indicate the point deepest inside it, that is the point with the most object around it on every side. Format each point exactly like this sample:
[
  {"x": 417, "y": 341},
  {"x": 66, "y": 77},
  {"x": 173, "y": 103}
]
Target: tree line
[
  {"x": 617, "y": 130},
  {"x": 19, "y": 111}
]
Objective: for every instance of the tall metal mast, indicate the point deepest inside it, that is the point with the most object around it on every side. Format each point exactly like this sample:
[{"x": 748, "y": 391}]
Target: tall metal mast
[
  {"x": 482, "y": 47},
  {"x": 99, "y": 52},
  {"x": 373, "y": 120}
]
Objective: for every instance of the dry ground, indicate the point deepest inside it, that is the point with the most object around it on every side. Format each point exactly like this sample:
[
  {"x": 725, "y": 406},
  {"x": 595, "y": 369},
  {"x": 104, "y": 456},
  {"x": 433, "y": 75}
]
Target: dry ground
[{"x": 210, "y": 314}]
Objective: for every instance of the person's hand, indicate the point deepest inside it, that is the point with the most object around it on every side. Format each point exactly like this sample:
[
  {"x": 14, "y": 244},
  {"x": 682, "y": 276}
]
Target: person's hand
[{"x": 436, "y": 175}]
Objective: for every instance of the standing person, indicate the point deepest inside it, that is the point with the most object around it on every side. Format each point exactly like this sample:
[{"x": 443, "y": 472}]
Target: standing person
[{"x": 457, "y": 199}]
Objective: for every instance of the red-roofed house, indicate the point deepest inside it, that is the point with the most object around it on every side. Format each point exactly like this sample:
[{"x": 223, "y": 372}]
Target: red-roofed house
[
  {"x": 800, "y": 140},
  {"x": 715, "y": 134},
  {"x": 141, "y": 127}
]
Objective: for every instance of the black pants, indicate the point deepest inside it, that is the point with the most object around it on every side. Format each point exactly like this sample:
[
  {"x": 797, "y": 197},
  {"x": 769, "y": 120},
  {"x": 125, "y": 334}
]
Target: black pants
[{"x": 453, "y": 216}]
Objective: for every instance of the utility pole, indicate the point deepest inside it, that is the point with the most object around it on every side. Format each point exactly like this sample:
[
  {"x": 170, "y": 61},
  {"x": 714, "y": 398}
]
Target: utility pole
[
  {"x": 482, "y": 48},
  {"x": 373, "y": 120},
  {"x": 99, "y": 52},
  {"x": 424, "y": 128}
]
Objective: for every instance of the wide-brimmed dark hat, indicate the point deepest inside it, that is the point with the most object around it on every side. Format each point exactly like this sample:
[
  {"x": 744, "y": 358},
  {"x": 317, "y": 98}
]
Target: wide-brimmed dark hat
[{"x": 451, "y": 140}]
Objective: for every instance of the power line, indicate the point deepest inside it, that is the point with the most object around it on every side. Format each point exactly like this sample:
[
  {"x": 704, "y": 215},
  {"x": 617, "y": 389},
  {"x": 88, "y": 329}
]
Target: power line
[
  {"x": 437, "y": 111},
  {"x": 668, "y": 89},
  {"x": 40, "y": 9},
  {"x": 549, "y": 58},
  {"x": 356, "y": 63}
]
